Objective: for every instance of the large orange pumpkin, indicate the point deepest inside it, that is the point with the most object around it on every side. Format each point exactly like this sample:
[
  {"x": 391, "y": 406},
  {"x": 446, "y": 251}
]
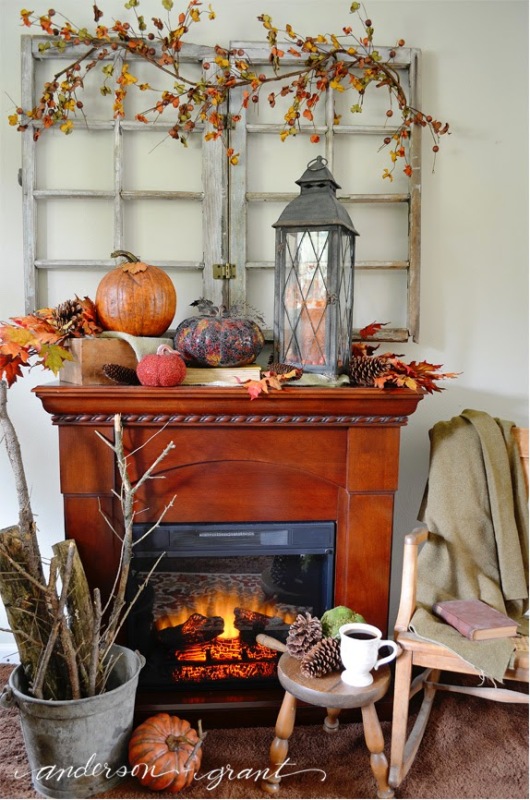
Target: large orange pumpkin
[
  {"x": 136, "y": 298},
  {"x": 161, "y": 753}
]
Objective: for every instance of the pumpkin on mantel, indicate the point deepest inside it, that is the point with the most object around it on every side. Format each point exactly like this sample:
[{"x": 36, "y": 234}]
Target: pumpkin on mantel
[
  {"x": 220, "y": 336},
  {"x": 136, "y": 298}
]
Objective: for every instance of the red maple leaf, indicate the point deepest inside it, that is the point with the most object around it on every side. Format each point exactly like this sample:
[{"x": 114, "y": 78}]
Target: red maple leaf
[{"x": 371, "y": 330}]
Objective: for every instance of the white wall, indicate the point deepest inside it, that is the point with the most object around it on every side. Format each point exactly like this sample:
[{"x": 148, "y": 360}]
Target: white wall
[{"x": 475, "y": 217}]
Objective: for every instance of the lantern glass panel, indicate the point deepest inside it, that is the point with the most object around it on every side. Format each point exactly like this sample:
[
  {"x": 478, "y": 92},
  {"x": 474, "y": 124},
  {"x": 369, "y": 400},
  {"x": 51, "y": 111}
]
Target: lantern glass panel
[
  {"x": 316, "y": 298},
  {"x": 304, "y": 298},
  {"x": 344, "y": 295}
]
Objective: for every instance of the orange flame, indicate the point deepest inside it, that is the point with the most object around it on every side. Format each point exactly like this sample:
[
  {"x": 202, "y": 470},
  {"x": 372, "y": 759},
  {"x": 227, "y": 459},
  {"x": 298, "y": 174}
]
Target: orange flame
[{"x": 222, "y": 604}]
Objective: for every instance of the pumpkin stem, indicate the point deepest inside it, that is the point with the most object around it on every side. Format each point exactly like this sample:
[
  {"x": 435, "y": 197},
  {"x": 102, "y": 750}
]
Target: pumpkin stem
[
  {"x": 131, "y": 258},
  {"x": 173, "y": 742},
  {"x": 165, "y": 350}
]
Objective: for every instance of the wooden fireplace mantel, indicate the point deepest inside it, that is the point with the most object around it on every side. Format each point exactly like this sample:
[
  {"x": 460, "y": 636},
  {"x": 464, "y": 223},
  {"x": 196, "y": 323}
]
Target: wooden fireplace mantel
[{"x": 294, "y": 455}]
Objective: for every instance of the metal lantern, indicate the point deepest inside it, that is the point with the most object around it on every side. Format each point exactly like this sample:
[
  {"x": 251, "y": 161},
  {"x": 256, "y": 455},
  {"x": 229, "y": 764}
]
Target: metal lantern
[{"x": 315, "y": 257}]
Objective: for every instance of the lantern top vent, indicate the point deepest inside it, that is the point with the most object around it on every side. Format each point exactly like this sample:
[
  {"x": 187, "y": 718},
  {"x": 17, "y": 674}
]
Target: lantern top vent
[{"x": 317, "y": 205}]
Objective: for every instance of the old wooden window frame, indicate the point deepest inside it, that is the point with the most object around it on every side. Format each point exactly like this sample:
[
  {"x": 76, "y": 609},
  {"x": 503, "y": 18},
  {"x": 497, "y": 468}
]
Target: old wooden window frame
[{"x": 225, "y": 199}]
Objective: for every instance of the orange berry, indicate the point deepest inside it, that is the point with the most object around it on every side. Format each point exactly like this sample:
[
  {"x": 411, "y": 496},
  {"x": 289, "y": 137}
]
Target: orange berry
[
  {"x": 435, "y": 148},
  {"x": 390, "y": 113}
]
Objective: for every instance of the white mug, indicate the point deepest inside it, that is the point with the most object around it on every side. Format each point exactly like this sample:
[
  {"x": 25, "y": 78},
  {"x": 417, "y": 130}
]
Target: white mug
[{"x": 359, "y": 650}]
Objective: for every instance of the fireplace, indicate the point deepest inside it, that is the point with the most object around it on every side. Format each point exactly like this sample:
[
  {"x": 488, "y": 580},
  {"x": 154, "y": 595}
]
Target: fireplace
[
  {"x": 213, "y": 588},
  {"x": 302, "y": 454}
]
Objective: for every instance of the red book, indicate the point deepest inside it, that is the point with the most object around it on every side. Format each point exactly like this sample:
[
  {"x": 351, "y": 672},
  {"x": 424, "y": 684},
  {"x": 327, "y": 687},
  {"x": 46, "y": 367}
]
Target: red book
[{"x": 475, "y": 620}]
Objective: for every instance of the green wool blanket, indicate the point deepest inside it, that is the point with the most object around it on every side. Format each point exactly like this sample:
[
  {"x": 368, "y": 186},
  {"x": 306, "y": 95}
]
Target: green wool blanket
[{"x": 475, "y": 507}]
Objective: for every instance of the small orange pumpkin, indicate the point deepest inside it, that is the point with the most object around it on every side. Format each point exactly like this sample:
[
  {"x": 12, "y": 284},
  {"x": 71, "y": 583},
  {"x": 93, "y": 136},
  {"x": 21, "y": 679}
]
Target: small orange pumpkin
[
  {"x": 165, "y": 752},
  {"x": 136, "y": 298}
]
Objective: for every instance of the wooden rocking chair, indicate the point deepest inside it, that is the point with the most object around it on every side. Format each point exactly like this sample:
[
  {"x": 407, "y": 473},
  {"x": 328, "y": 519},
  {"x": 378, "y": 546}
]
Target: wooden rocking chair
[{"x": 434, "y": 658}]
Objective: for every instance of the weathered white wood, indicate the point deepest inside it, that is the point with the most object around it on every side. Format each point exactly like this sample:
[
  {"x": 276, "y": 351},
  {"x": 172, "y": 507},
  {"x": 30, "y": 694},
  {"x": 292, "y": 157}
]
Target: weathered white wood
[
  {"x": 413, "y": 315},
  {"x": 189, "y": 54},
  {"x": 129, "y": 125},
  {"x": 237, "y": 183},
  {"x": 214, "y": 211},
  {"x": 128, "y": 194},
  {"x": 361, "y": 265},
  {"x": 159, "y": 194},
  {"x": 259, "y": 54},
  {"x": 308, "y": 130},
  {"x": 44, "y": 194},
  {"x": 285, "y": 197},
  {"x": 105, "y": 264},
  {"x": 118, "y": 243},
  {"x": 29, "y": 210}
]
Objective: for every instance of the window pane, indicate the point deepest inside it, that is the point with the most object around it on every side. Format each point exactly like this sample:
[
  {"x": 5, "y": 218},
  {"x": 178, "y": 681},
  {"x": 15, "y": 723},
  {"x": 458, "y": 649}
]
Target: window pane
[
  {"x": 381, "y": 296},
  {"x": 153, "y": 160},
  {"x": 74, "y": 228},
  {"x": 383, "y": 231},
  {"x": 62, "y": 161},
  {"x": 164, "y": 229}
]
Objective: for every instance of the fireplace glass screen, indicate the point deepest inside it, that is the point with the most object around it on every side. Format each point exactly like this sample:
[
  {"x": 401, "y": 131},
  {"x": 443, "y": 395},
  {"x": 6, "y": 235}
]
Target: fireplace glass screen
[{"x": 215, "y": 588}]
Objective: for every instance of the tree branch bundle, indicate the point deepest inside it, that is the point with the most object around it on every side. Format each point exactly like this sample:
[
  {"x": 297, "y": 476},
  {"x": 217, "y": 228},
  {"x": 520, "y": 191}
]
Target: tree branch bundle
[{"x": 63, "y": 643}]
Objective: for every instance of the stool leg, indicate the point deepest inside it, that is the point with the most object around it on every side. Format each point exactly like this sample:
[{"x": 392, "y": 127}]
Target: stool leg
[
  {"x": 373, "y": 736},
  {"x": 331, "y": 723},
  {"x": 280, "y": 745}
]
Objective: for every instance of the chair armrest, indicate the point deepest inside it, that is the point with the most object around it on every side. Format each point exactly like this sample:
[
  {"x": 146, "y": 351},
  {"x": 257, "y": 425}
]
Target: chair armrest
[{"x": 409, "y": 577}]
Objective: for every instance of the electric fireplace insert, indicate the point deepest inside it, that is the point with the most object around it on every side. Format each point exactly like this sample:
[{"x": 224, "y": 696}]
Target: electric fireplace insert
[{"x": 214, "y": 587}]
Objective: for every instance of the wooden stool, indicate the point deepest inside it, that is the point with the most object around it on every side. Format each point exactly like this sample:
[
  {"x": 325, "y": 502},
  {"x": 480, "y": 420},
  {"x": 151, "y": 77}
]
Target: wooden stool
[{"x": 330, "y": 693}]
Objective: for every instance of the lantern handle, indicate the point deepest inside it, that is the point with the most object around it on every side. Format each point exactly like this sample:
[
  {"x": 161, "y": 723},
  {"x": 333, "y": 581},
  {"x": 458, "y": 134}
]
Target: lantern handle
[{"x": 317, "y": 163}]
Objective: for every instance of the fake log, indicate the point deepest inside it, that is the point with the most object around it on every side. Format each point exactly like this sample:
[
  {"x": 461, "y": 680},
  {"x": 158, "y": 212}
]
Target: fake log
[
  {"x": 80, "y": 613},
  {"x": 196, "y": 630},
  {"x": 245, "y": 620},
  {"x": 250, "y": 623},
  {"x": 28, "y": 612}
]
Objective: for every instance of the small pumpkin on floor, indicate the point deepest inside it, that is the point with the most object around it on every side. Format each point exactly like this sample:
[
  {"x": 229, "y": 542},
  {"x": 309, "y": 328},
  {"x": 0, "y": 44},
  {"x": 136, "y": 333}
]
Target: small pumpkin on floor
[{"x": 165, "y": 753}]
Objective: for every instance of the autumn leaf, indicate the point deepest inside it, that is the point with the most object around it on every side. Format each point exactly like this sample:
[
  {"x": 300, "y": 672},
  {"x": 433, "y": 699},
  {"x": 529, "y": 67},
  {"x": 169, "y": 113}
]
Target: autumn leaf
[
  {"x": 363, "y": 349},
  {"x": 9, "y": 369},
  {"x": 371, "y": 330},
  {"x": 53, "y": 357},
  {"x": 133, "y": 267},
  {"x": 37, "y": 339},
  {"x": 25, "y": 14},
  {"x": 255, "y": 388},
  {"x": 269, "y": 380}
]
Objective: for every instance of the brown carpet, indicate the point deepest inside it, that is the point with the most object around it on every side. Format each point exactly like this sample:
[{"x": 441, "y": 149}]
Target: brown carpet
[{"x": 472, "y": 749}]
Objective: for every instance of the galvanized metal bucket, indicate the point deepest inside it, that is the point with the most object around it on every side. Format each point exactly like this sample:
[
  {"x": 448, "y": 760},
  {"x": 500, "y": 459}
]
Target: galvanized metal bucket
[{"x": 78, "y": 748}]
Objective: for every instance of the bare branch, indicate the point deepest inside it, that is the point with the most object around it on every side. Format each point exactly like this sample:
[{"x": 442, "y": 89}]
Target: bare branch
[{"x": 58, "y": 606}]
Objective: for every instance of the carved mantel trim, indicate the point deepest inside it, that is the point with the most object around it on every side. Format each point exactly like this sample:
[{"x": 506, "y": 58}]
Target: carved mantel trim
[{"x": 224, "y": 419}]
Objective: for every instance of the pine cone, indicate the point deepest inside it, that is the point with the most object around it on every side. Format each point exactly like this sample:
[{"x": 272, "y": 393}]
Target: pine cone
[
  {"x": 365, "y": 369},
  {"x": 119, "y": 374},
  {"x": 323, "y": 658},
  {"x": 283, "y": 369},
  {"x": 68, "y": 316},
  {"x": 303, "y": 634}
]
